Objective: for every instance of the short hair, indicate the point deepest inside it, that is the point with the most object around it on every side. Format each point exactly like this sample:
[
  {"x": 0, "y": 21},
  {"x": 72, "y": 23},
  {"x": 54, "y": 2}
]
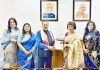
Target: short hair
[
  {"x": 44, "y": 21},
  {"x": 71, "y": 23}
]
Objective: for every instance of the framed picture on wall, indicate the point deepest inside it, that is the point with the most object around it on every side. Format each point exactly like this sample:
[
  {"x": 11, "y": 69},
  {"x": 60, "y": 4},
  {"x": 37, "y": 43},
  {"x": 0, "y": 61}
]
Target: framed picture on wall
[
  {"x": 49, "y": 10},
  {"x": 81, "y": 10}
]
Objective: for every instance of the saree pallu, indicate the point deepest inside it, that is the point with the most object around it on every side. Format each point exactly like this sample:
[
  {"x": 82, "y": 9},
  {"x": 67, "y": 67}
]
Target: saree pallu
[
  {"x": 10, "y": 48},
  {"x": 28, "y": 45},
  {"x": 89, "y": 62},
  {"x": 73, "y": 54}
]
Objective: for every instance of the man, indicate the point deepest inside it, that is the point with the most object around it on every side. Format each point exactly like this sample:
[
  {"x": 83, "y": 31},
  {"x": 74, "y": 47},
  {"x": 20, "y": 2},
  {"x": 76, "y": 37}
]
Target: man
[
  {"x": 49, "y": 13},
  {"x": 81, "y": 13},
  {"x": 45, "y": 46}
]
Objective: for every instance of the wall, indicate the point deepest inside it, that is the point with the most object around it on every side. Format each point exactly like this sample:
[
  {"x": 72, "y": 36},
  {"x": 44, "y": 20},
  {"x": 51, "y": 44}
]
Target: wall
[{"x": 29, "y": 11}]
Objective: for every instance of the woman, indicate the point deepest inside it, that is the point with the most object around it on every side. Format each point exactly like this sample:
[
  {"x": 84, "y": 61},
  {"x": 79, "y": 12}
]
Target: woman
[
  {"x": 9, "y": 46},
  {"x": 73, "y": 49},
  {"x": 91, "y": 40},
  {"x": 27, "y": 42}
]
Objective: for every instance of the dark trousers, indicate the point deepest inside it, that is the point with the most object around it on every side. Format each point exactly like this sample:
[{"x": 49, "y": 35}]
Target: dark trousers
[{"x": 44, "y": 62}]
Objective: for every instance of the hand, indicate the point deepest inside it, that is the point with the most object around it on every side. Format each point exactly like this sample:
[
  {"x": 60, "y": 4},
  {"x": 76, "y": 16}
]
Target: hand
[
  {"x": 28, "y": 52},
  {"x": 13, "y": 40},
  {"x": 86, "y": 51},
  {"x": 94, "y": 54},
  {"x": 65, "y": 45},
  {"x": 52, "y": 48}
]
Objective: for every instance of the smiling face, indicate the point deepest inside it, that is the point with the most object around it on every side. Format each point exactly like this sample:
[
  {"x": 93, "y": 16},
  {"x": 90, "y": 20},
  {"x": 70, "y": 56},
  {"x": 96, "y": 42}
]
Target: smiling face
[
  {"x": 27, "y": 28},
  {"x": 12, "y": 23},
  {"x": 82, "y": 8},
  {"x": 90, "y": 26},
  {"x": 49, "y": 7},
  {"x": 45, "y": 25},
  {"x": 70, "y": 28}
]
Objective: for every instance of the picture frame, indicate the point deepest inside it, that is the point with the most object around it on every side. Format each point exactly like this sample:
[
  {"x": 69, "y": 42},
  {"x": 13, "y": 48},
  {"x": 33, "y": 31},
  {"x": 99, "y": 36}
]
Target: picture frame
[
  {"x": 48, "y": 10},
  {"x": 81, "y": 10}
]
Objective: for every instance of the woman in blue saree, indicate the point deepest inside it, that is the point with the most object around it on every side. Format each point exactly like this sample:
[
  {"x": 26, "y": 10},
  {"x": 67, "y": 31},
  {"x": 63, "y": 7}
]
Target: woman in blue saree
[
  {"x": 91, "y": 40},
  {"x": 28, "y": 41}
]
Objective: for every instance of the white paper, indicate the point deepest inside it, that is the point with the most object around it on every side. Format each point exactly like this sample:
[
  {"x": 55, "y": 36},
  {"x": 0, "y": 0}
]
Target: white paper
[{"x": 58, "y": 45}]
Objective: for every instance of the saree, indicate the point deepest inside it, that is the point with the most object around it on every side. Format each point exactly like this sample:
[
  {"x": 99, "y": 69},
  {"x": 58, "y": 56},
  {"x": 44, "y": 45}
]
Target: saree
[
  {"x": 91, "y": 43},
  {"x": 25, "y": 61},
  {"x": 73, "y": 54},
  {"x": 10, "y": 48}
]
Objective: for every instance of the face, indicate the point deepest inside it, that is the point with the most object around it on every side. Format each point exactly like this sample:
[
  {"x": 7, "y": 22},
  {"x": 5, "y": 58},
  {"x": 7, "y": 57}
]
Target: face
[
  {"x": 82, "y": 8},
  {"x": 27, "y": 28},
  {"x": 12, "y": 23},
  {"x": 49, "y": 7},
  {"x": 90, "y": 26},
  {"x": 45, "y": 25},
  {"x": 70, "y": 27}
]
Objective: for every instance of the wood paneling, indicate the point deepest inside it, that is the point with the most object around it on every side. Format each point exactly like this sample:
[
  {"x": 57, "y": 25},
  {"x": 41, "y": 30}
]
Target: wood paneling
[{"x": 57, "y": 59}]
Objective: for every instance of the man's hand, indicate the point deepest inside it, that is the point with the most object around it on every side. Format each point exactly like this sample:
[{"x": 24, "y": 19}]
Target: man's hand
[{"x": 52, "y": 48}]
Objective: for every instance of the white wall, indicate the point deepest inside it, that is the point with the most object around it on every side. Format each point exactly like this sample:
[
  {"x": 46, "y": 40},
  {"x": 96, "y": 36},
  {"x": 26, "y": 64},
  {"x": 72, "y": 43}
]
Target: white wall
[{"x": 29, "y": 11}]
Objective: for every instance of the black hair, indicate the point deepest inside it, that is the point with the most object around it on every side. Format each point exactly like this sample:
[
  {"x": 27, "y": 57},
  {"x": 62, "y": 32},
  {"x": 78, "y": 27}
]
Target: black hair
[{"x": 24, "y": 32}]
